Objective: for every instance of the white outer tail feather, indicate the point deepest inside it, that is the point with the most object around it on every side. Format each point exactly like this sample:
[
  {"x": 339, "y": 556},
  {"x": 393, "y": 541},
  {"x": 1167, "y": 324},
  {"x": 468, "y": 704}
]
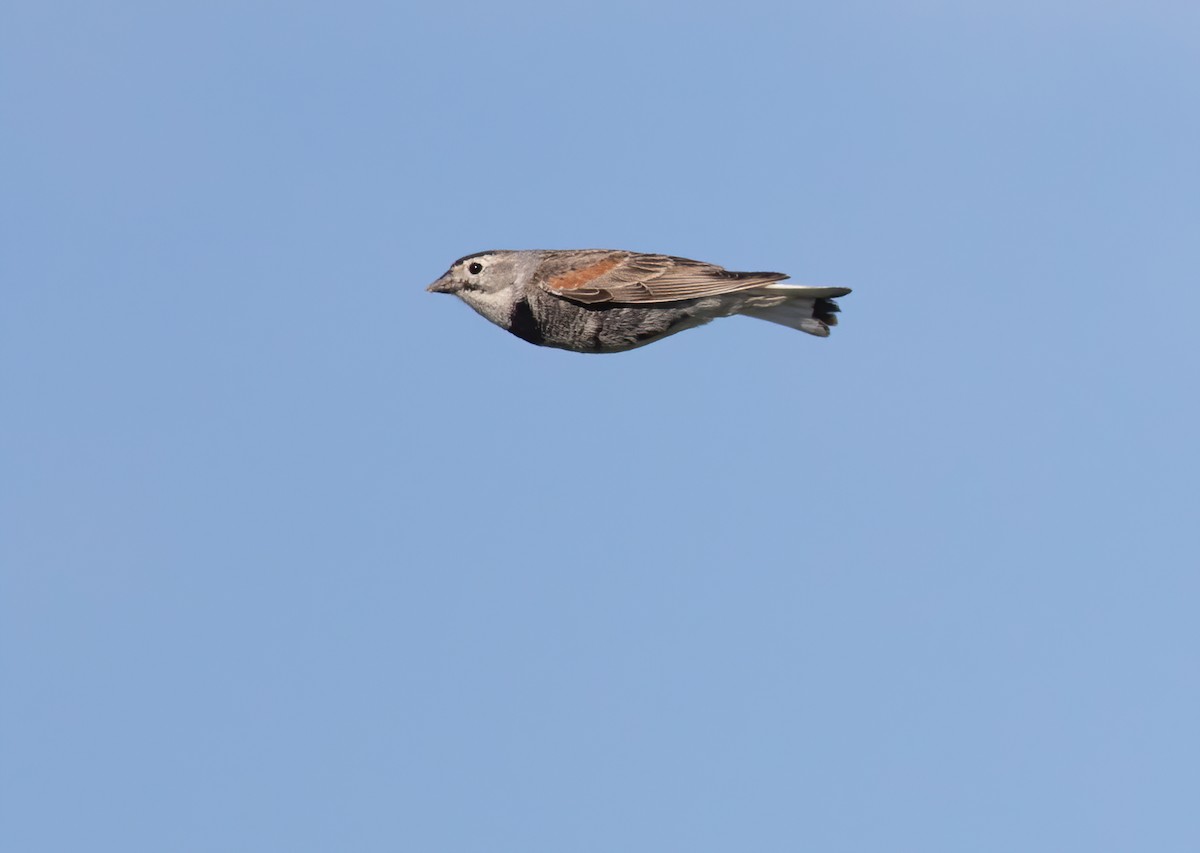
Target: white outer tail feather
[{"x": 797, "y": 312}]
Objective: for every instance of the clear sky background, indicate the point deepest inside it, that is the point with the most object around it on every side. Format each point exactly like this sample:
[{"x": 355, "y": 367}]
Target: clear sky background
[{"x": 296, "y": 556}]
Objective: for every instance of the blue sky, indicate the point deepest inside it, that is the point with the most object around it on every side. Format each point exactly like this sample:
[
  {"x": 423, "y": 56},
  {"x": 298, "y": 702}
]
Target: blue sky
[{"x": 296, "y": 556}]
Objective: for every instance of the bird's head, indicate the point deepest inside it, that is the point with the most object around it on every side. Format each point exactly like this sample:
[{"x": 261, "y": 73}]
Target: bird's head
[{"x": 480, "y": 274}]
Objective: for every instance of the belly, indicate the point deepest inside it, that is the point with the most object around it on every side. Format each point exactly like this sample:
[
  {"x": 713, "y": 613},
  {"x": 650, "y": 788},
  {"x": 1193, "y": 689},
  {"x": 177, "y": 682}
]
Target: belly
[{"x": 604, "y": 329}]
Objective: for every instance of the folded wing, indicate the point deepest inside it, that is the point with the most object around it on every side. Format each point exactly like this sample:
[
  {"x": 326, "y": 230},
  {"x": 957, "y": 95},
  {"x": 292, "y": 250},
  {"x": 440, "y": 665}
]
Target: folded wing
[{"x": 603, "y": 276}]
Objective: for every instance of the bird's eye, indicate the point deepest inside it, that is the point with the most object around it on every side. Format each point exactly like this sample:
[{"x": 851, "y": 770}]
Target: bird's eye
[{"x": 475, "y": 268}]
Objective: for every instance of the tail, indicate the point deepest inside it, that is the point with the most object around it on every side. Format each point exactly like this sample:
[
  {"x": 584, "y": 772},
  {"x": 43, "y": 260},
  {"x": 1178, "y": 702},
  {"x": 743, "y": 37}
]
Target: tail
[{"x": 809, "y": 309}]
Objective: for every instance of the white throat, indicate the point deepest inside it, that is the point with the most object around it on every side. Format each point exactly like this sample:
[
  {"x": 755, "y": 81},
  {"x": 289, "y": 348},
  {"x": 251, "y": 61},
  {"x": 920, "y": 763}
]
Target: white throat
[{"x": 496, "y": 306}]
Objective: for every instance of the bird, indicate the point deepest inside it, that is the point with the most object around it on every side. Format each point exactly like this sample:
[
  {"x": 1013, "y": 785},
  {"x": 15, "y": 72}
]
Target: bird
[{"x": 609, "y": 300}]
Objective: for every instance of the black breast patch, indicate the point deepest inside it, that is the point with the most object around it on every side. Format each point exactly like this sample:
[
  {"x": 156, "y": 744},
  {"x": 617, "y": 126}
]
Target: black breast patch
[{"x": 524, "y": 325}]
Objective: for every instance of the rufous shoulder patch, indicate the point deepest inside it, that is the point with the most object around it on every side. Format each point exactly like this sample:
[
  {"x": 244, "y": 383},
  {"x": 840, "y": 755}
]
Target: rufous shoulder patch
[{"x": 576, "y": 279}]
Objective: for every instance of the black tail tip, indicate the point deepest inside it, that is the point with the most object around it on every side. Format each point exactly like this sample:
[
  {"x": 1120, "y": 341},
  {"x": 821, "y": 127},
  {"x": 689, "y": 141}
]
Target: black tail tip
[{"x": 826, "y": 311}]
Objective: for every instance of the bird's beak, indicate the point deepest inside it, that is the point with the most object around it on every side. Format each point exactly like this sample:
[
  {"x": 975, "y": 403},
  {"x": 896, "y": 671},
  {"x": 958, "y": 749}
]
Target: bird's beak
[{"x": 445, "y": 284}]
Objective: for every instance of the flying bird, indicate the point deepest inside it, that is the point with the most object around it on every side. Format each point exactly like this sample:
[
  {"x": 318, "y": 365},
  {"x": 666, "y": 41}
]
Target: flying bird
[{"x": 607, "y": 300}]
